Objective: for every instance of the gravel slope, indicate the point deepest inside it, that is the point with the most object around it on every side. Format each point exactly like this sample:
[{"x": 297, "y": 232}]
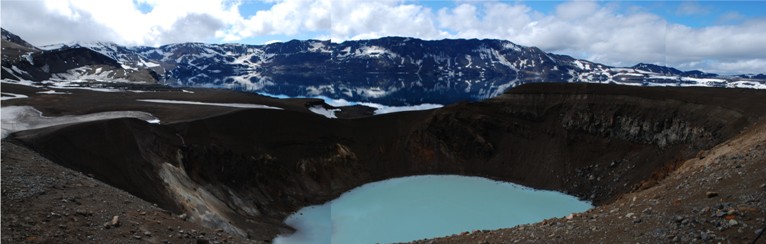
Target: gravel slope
[{"x": 43, "y": 202}]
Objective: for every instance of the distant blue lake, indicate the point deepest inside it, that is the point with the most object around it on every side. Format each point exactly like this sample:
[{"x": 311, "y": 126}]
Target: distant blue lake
[{"x": 418, "y": 207}]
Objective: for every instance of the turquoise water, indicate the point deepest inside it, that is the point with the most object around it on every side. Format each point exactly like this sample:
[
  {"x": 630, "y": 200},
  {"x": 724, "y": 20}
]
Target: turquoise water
[{"x": 417, "y": 207}]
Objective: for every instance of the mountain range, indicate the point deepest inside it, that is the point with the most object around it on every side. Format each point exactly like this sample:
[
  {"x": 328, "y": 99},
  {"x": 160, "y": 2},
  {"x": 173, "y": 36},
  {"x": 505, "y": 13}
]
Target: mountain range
[{"x": 390, "y": 70}]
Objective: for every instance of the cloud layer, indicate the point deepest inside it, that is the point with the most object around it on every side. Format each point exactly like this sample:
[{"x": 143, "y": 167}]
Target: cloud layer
[{"x": 609, "y": 33}]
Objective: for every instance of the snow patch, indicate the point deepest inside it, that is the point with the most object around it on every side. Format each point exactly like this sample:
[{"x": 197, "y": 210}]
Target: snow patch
[
  {"x": 582, "y": 65},
  {"x": 52, "y": 46},
  {"x": 18, "y": 71},
  {"x": 29, "y": 58},
  {"x": 383, "y": 109},
  {"x": 345, "y": 52},
  {"x": 501, "y": 89},
  {"x": 468, "y": 57},
  {"x": 319, "y": 47},
  {"x": 88, "y": 73},
  {"x": 9, "y": 96},
  {"x": 149, "y": 64},
  {"x": 19, "y": 118},
  {"x": 11, "y": 72},
  {"x": 234, "y": 105},
  {"x": 125, "y": 67},
  {"x": 20, "y": 82},
  {"x": 746, "y": 84},
  {"x": 53, "y": 92},
  {"x": 373, "y": 51},
  {"x": 320, "y": 110},
  {"x": 374, "y": 92},
  {"x": 89, "y": 88},
  {"x": 380, "y": 108},
  {"x": 511, "y": 46},
  {"x": 278, "y": 96},
  {"x": 319, "y": 90}
]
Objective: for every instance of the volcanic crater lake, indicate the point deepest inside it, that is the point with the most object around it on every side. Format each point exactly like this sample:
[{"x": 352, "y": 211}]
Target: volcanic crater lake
[{"x": 418, "y": 207}]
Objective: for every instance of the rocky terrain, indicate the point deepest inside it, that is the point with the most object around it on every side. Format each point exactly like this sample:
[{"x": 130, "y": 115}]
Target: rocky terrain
[
  {"x": 691, "y": 157},
  {"x": 719, "y": 196},
  {"x": 44, "y": 202}
]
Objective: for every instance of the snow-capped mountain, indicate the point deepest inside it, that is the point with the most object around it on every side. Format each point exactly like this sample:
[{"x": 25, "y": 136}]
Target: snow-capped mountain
[
  {"x": 22, "y": 61},
  {"x": 391, "y": 70}
]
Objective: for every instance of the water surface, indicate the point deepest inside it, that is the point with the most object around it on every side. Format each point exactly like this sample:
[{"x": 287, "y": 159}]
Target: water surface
[{"x": 417, "y": 207}]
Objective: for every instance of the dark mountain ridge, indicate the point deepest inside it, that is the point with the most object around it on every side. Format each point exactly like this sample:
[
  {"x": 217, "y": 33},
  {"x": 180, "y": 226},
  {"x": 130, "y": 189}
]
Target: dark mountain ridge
[
  {"x": 10, "y": 37},
  {"x": 389, "y": 70},
  {"x": 22, "y": 61},
  {"x": 672, "y": 71}
]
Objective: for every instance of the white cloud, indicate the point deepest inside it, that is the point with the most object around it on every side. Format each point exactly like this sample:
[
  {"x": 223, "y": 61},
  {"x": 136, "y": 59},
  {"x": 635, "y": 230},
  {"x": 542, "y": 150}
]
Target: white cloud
[
  {"x": 737, "y": 66},
  {"x": 41, "y": 24},
  {"x": 730, "y": 17},
  {"x": 288, "y": 17},
  {"x": 499, "y": 20},
  {"x": 600, "y": 33},
  {"x": 55, "y": 21},
  {"x": 372, "y": 19},
  {"x": 576, "y": 10},
  {"x": 583, "y": 29},
  {"x": 610, "y": 33},
  {"x": 691, "y": 8}
]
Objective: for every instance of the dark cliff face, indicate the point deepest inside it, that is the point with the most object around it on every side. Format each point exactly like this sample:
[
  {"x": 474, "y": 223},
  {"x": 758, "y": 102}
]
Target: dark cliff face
[
  {"x": 593, "y": 141},
  {"x": 125, "y": 153},
  {"x": 588, "y": 142}
]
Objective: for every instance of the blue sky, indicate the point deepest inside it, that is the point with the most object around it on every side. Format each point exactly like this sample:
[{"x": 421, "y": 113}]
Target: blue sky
[
  {"x": 714, "y": 36},
  {"x": 697, "y": 14}
]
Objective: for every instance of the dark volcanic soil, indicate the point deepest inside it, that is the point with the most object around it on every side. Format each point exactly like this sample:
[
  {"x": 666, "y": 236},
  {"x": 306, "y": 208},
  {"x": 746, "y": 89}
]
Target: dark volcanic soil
[
  {"x": 717, "y": 197},
  {"x": 81, "y": 101},
  {"x": 43, "y": 202},
  {"x": 244, "y": 170}
]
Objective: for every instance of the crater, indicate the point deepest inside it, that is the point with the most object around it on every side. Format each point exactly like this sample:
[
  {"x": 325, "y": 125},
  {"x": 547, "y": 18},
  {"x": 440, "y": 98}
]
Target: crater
[
  {"x": 417, "y": 207},
  {"x": 255, "y": 167}
]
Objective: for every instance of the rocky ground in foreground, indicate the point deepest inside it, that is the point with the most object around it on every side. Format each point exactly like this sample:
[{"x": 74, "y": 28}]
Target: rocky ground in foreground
[
  {"x": 43, "y": 202},
  {"x": 717, "y": 197}
]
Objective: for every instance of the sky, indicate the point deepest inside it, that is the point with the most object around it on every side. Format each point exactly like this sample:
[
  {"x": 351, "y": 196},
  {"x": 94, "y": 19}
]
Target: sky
[{"x": 725, "y": 37}]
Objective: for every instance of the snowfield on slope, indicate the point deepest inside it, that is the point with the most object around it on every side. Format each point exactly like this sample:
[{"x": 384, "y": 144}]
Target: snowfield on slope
[
  {"x": 234, "y": 105},
  {"x": 328, "y": 113},
  {"x": 19, "y": 118}
]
